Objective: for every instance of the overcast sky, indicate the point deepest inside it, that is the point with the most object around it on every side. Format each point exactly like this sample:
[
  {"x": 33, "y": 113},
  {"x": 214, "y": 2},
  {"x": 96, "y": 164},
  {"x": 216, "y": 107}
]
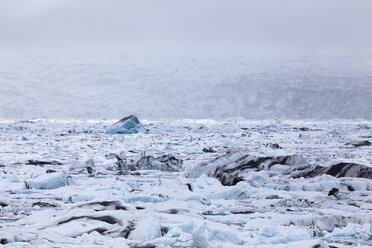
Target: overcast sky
[{"x": 183, "y": 23}]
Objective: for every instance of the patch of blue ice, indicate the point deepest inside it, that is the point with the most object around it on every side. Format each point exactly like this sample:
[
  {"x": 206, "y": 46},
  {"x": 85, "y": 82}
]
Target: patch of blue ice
[{"x": 127, "y": 125}]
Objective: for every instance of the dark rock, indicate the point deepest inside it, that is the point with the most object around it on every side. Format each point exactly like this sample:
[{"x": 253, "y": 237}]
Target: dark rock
[
  {"x": 243, "y": 212},
  {"x": 305, "y": 129},
  {"x": 209, "y": 150},
  {"x": 90, "y": 166},
  {"x": 270, "y": 197},
  {"x": 50, "y": 171},
  {"x": 359, "y": 144},
  {"x": 273, "y": 146},
  {"x": 90, "y": 170},
  {"x": 144, "y": 246},
  {"x": 349, "y": 170},
  {"x": 44, "y": 205},
  {"x": 228, "y": 179},
  {"x": 105, "y": 205},
  {"x": 106, "y": 218},
  {"x": 334, "y": 192},
  {"x": 40, "y": 162},
  {"x": 3, "y": 204},
  {"x": 189, "y": 187},
  {"x": 164, "y": 230},
  {"x": 172, "y": 211},
  {"x": 350, "y": 188}
]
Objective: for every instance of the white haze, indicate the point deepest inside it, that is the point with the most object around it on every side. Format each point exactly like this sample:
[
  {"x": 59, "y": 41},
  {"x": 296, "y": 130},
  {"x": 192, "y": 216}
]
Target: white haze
[{"x": 185, "y": 59}]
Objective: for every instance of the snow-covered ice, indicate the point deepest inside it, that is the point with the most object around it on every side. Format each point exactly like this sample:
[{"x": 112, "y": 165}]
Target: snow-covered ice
[{"x": 69, "y": 184}]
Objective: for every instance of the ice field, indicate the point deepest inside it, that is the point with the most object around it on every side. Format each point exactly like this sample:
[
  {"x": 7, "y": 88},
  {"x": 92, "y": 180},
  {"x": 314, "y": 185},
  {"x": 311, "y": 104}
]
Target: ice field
[{"x": 186, "y": 183}]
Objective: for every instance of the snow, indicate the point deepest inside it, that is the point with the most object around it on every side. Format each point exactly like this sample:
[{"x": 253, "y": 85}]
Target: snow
[{"x": 114, "y": 206}]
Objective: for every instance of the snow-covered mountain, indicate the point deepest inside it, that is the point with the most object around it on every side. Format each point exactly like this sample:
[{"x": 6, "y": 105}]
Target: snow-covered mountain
[{"x": 97, "y": 85}]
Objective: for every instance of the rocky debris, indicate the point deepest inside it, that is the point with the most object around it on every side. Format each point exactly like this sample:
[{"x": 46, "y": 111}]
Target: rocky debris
[
  {"x": 127, "y": 230},
  {"x": 271, "y": 197},
  {"x": 104, "y": 205},
  {"x": 40, "y": 162},
  {"x": 231, "y": 168},
  {"x": 273, "y": 146},
  {"x": 359, "y": 144},
  {"x": 123, "y": 165},
  {"x": 104, "y": 218},
  {"x": 234, "y": 167},
  {"x": 44, "y": 205},
  {"x": 144, "y": 246},
  {"x": 121, "y": 161},
  {"x": 209, "y": 150},
  {"x": 349, "y": 170},
  {"x": 147, "y": 161},
  {"x": 3, "y": 204},
  {"x": 50, "y": 171},
  {"x": 341, "y": 170},
  {"x": 75, "y": 224},
  {"x": 127, "y": 125}
]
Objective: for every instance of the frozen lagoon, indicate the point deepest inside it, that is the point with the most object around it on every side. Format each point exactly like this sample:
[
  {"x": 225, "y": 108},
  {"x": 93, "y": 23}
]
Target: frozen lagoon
[{"x": 114, "y": 208}]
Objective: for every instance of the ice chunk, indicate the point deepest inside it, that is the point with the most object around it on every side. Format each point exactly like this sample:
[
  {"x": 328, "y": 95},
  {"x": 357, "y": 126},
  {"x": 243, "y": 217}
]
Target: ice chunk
[
  {"x": 147, "y": 229},
  {"x": 143, "y": 198},
  {"x": 342, "y": 170},
  {"x": 47, "y": 181},
  {"x": 232, "y": 168},
  {"x": 200, "y": 237},
  {"x": 283, "y": 234},
  {"x": 127, "y": 125},
  {"x": 146, "y": 161},
  {"x": 352, "y": 230}
]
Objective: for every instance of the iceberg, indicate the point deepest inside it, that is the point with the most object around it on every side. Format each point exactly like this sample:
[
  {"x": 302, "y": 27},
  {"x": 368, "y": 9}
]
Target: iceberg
[
  {"x": 127, "y": 125},
  {"x": 47, "y": 181}
]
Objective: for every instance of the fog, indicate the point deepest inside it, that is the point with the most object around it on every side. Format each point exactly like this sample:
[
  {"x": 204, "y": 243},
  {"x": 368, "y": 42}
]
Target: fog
[
  {"x": 289, "y": 59},
  {"x": 203, "y": 24}
]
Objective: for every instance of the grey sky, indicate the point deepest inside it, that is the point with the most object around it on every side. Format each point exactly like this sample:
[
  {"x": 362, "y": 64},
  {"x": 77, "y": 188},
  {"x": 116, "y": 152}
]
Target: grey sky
[{"x": 181, "y": 23}]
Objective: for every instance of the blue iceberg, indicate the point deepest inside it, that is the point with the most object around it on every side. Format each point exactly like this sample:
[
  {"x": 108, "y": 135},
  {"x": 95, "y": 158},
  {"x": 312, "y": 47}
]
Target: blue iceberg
[{"x": 127, "y": 125}]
